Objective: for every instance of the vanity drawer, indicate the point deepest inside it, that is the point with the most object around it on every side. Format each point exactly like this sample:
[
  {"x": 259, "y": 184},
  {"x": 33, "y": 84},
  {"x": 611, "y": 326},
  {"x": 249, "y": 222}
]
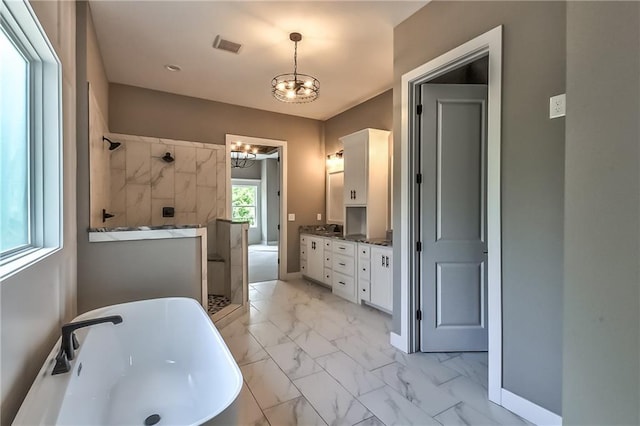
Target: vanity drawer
[
  {"x": 343, "y": 264},
  {"x": 364, "y": 251},
  {"x": 303, "y": 252},
  {"x": 327, "y": 276},
  {"x": 363, "y": 269},
  {"x": 343, "y": 285},
  {"x": 327, "y": 244},
  {"x": 344, "y": 248},
  {"x": 303, "y": 267},
  {"x": 327, "y": 259},
  {"x": 365, "y": 288},
  {"x": 303, "y": 240}
]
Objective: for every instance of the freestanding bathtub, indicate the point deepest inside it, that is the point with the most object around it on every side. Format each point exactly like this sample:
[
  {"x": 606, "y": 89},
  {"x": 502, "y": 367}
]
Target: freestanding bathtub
[{"x": 165, "y": 364}]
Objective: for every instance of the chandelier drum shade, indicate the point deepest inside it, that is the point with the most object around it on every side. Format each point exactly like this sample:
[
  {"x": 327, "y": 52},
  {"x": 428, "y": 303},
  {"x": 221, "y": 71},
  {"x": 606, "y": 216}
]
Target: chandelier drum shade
[
  {"x": 242, "y": 155},
  {"x": 295, "y": 87}
]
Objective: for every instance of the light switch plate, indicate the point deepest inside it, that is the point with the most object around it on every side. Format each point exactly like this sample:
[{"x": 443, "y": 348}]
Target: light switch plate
[
  {"x": 292, "y": 217},
  {"x": 319, "y": 216},
  {"x": 558, "y": 106}
]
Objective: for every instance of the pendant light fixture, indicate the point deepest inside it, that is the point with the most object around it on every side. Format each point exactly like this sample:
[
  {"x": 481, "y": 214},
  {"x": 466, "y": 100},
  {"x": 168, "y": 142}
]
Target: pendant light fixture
[
  {"x": 242, "y": 155},
  {"x": 295, "y": 88}
]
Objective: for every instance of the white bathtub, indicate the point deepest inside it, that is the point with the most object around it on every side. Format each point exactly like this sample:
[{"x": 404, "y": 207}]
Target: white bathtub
[{"x": 166, "y": 358}]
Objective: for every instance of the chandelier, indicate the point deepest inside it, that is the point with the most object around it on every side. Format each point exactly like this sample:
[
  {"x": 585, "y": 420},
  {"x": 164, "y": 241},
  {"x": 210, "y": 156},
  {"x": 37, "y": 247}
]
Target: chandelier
[
  {"x": 242, "y": 155},
  {"x": 295, "y": 88}
]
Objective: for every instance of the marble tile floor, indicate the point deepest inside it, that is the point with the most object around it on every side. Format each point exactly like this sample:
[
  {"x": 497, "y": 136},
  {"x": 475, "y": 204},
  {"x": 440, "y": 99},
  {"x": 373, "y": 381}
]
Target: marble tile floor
[{"x": 311, "y": 358}]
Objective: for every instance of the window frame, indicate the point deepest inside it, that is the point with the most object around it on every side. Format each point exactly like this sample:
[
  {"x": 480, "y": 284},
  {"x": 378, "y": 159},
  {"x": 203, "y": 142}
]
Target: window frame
[
  {"x": 248, "y": 183},
  {"x": 44, "y": 133}
]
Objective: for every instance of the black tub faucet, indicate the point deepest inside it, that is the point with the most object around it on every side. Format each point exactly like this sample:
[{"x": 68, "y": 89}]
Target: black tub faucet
[{"x": 70, "y": 343}]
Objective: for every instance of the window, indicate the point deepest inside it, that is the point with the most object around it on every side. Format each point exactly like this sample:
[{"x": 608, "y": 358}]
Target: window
[
  {"x": 14, "y": 148},
  {"x": 30, "y": 140},
  {"x": 244, "y": 203}
]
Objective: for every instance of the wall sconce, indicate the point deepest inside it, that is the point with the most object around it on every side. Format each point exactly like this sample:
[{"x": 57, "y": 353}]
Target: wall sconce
[{"x": 335, "y": 160}]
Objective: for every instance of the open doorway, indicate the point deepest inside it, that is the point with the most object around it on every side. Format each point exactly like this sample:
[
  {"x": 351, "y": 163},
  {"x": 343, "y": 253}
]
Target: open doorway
[
  {"x": 255, "y": 192},
  {"x": 425, "y": 275},
  {"x": 257, "y": 187}
]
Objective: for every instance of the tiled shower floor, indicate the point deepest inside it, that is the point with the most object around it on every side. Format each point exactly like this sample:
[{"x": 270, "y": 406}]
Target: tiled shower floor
[{"x": 216, "y": 303}]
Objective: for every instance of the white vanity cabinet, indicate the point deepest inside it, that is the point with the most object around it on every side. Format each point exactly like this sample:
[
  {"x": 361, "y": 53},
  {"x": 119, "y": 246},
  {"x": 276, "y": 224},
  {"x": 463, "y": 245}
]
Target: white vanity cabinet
[
  {"x": 381, "y": 283},
  {"x": 366, "y": 175},
  {"x": 364, "y": 275},
  {"x": 344, "y": 270},
  {"x": 315, "y": 258}
]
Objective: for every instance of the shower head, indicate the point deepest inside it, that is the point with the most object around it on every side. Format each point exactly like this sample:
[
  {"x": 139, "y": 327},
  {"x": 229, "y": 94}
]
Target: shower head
[
  {"x": 168, "y": 158},
  {"x": 112, "y": 145}
]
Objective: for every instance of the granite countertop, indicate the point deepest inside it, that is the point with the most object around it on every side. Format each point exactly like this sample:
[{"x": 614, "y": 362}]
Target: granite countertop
[
  {"x": 143, "y": 228},
  {"x": 330, "y": 232}
]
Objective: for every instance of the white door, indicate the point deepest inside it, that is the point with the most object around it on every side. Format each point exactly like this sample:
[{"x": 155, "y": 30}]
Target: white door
[
  {"x": 315, "y": 258},
  {"x": 381, "y": 293},
  {"x": 453, "y": 218},
  {"x": 355, "y": 169}
]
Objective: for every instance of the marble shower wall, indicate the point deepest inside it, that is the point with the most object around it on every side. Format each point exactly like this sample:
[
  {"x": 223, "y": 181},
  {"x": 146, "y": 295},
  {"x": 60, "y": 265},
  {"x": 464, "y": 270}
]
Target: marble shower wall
[
  {"x": 142, "y": 183},
  {"x": 99, "y": 155}
]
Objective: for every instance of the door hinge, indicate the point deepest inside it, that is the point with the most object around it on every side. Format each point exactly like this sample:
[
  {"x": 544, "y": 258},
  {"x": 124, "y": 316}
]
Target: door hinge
[
  {"x": 278, "y": 193},
  {"x": 419, "y": 178},
  {"x": 419, "y": 315},
  {"x": 419, "y": 109},
  {"x": 278, "y": 159},
  {"x": 278, "y": 227},
  {"x": 278, "y": 261},
  {"x": 418, "y": 246}
]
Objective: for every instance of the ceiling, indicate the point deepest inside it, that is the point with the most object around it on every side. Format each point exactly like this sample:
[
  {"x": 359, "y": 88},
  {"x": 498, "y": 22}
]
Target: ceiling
[{"x": 347, "y": 45}]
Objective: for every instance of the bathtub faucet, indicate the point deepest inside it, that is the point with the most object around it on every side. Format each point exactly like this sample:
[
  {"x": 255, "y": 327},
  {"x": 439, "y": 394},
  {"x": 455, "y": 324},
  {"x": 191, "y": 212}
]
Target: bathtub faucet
[{"x": 70, "y": 343}]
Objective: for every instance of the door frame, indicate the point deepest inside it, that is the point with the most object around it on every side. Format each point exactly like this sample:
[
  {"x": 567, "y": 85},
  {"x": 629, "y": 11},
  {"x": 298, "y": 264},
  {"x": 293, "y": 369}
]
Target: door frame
[
  {"x": 282, "y": 243},
  {"x": 488, "y": 44}
]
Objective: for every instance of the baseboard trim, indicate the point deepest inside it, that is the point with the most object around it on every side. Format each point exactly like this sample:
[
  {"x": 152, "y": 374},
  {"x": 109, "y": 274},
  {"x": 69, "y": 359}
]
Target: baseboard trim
[
  {"x": 529, "y": 411},
  {"x": 398, "y": 342}
]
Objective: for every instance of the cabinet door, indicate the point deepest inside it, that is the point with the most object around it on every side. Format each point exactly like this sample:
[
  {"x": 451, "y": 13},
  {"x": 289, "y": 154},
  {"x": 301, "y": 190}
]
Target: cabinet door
[
  {"x": 315, "y": 258},
  {"x": 355, "y": 170},
  {"x": 381, "y": 289}
]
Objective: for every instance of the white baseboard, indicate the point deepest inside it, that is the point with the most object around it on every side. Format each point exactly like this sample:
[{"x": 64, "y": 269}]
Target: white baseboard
[
  {"x": 529, "y": 411},
  {"x": 398, "y": 342}
]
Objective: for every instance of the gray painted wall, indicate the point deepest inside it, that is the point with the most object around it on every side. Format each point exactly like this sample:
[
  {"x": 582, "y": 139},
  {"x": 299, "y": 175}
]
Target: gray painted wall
[
  {"x": 36, "y": 301},
  {"x": 252, "y": 172},
  {"x": 602, "y": 218},
  {"x": 532, "y": 173},
  {"x": 126, "y": 271}
]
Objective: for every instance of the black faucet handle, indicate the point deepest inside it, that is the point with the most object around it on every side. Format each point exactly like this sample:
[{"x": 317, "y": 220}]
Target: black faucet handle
[
  {"x": 74, "y": 340},
  {"x": 62, "y": 363}
]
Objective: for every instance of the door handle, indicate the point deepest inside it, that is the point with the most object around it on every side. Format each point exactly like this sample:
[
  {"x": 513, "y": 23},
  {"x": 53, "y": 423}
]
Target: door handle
[
  {"x": 382, "y": 260},
  {"x": 386, "y": 262},
  {"x": 354, "y": 194}
]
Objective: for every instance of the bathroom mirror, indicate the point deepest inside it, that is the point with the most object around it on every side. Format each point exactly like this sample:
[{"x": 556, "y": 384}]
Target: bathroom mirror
[{"x": 335, "y": 196}]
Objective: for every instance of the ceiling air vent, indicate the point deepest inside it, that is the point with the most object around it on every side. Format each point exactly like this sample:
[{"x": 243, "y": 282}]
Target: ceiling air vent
[{"x": 229, "y": 46}]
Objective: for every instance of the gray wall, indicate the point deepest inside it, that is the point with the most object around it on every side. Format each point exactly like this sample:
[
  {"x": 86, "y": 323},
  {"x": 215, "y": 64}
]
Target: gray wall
[
  {"x": 126, "y": 271},
  {"x": 36, "y": 301},
  {"x": 602, "y": 217},
  {"x": 253, "y": 172},
  {"x": 532, "y": 173}
]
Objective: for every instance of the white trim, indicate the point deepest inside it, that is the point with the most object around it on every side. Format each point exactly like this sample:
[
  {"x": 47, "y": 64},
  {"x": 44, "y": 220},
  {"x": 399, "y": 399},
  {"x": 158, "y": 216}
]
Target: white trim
[
  {"x": 282, "y": 246},
  {"x": 398, "y": 341},
  {"x": 491, "y": 43},
  {"x": 528, "y": 410}
]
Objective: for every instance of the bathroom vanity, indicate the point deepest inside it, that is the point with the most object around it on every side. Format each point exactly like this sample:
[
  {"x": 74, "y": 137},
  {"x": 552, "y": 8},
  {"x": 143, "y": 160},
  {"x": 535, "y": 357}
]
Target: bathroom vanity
[{"x": 355, "y": 268}]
